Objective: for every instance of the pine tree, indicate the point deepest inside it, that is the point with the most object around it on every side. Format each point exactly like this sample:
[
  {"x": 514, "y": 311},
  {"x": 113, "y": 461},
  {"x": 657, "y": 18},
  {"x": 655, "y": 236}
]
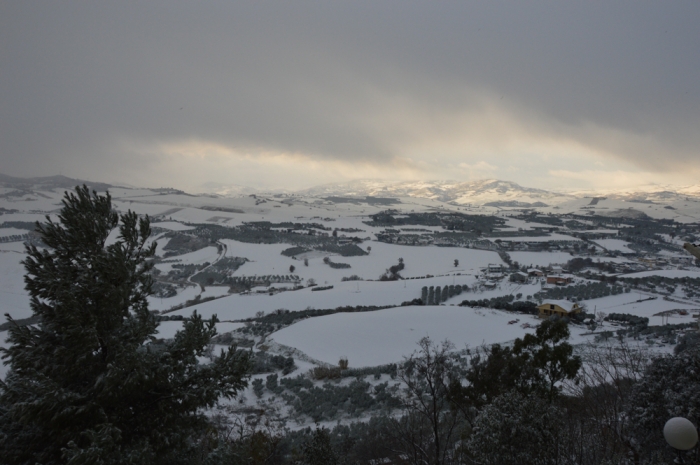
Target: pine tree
[
  {"x": 89, "y": 383},
  {"x": 318, "y": 450}
]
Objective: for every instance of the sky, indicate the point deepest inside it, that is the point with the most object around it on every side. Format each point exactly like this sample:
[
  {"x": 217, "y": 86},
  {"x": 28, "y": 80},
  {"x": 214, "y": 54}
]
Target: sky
[{"x": 288, "y": 95}]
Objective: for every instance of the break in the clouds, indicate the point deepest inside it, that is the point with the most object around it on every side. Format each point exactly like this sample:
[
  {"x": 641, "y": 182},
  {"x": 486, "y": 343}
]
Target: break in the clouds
[{"x": 289, "y": 94}]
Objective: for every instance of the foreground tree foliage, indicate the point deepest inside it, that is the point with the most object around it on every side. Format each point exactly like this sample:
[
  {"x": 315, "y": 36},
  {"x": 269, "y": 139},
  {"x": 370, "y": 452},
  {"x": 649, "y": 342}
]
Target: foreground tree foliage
[
  {"x": 611, "y": 412},
  {"x": 318, "y": 450},
  {"x": 534, "y": 365},
  {"x": 88, "y": 383},
  {"x": 515, "y": 429},
  {"x": 670, "y": 388},
  {"x": 429, "y": 425}
]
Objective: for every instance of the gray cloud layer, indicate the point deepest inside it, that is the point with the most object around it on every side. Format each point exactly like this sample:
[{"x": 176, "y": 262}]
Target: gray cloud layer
[{"x": 335, "y": 80}]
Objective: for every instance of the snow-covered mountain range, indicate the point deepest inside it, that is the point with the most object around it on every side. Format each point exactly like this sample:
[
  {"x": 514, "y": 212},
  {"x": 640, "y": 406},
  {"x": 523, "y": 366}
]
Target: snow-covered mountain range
[
  {"x": 494, "y": 191},
  {"x": 481, "y": 192},
  {"x": 478, "y": 192}
]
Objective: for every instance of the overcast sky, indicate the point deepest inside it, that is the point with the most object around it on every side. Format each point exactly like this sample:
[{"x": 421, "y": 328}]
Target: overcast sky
[{"x": 293, "y": 94}]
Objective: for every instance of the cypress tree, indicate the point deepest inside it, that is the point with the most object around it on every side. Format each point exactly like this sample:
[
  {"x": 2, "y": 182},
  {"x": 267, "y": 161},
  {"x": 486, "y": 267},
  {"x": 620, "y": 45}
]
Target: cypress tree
[{"x": 89, "y": 383}]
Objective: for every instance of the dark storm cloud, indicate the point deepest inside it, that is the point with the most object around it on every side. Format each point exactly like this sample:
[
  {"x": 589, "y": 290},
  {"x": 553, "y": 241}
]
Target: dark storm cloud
[{"x": 317, "y": 78}]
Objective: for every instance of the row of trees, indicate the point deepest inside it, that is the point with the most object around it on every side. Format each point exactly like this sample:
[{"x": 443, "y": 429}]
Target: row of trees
[
  {"x": 434, "y": 295},
  {"x": 583, "y": 291},
  {"x": 14, "y": 238}
]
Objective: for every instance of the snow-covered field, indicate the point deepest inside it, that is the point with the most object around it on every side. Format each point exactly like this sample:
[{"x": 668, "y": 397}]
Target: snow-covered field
[
  {"x": 172, "y": 225},
  {"x": 266, "y": 259},
  {"x": 664, "y": 273},
  {"x": 387, "y": 336},
  {"x": 13, "y": 298},
  {"x": 614, "y": 244},
  {"x": 350, "y": 293},
  {"x": 167, "y": 329},
  {"x": 627, "y": 303}
]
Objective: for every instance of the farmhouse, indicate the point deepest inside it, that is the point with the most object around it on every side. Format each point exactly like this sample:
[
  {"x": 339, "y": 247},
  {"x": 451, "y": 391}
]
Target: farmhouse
[
  {"x": 497, "y": 268},
  {"x": 559, "y": 308},
  {"x": 518, "y": 277},
  {"x": 559, "y": 280}
]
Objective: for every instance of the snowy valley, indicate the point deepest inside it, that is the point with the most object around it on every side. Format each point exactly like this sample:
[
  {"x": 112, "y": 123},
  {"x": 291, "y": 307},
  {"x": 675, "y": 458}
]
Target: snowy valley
[{"x": 333, "y": 287}]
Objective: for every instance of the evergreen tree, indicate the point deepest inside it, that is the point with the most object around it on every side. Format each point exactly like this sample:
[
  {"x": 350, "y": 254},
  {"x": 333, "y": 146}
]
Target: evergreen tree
[
  {"x": 88, "y": 383},
  {"x": 438, "y": 295},
  {"x": 318, "y": 449}
]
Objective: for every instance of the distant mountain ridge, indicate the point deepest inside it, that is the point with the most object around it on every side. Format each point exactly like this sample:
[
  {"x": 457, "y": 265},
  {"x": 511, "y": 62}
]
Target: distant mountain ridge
[
  {"x": 482, "y": 191},
  {"x": 49, "y": 182},
  {"x": 489, "y": 192},
  {"x": 645, "y": 193}
]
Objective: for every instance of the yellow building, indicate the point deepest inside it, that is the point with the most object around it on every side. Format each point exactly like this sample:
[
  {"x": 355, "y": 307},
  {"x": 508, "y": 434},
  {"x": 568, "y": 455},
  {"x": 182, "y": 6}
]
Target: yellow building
[{"x": 558, "y": 307}]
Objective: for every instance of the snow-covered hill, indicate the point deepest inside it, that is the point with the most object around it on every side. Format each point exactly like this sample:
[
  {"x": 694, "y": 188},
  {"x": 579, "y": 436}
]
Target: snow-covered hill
[
  {"x": 477, "y": 192},
  {"x": 647, "y": 192},
  {"x": 490, "y": 192}
]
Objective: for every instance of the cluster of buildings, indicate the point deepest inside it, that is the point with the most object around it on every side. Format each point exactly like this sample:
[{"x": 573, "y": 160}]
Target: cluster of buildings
[{"x": 554, "y": 275}]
